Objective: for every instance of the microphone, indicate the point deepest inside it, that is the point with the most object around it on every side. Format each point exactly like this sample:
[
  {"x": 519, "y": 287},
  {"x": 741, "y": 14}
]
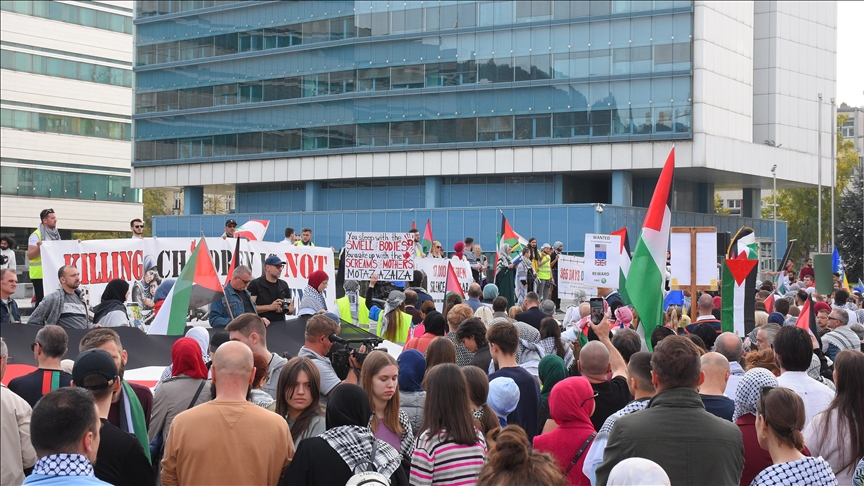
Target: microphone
[{"x": 334, "y": 338}]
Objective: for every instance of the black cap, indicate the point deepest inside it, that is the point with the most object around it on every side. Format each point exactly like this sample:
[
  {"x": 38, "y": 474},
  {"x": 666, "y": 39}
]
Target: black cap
[
  {"x": 218, "y": 339},
  {"x": 94, "y": 362},
  {"x": 230, "y": 222}
]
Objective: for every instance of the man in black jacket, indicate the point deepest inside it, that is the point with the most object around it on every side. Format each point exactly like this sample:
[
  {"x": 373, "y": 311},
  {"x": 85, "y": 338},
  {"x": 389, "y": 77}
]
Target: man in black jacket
[
  {"x": 676, "y": 421},
  {"x": 532, "y": 315}
]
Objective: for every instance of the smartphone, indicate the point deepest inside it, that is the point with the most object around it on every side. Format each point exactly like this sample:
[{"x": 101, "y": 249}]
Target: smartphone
[{"x": 597, "y": 309}]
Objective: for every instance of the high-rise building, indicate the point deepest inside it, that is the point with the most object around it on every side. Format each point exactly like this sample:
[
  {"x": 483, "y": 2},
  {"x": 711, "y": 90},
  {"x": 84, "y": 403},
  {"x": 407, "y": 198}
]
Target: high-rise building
[
  {"x": 366, "y": 115},
  {"x": 65, "y": 100}
]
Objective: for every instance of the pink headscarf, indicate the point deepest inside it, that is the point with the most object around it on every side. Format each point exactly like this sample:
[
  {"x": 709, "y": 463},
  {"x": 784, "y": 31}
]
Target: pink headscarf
[
  {"x": 458, "y": 248},
  {"x": 571, "y": 402},
  {"x": 718, "y": 302},
  {"x": 623, "y": 316}
]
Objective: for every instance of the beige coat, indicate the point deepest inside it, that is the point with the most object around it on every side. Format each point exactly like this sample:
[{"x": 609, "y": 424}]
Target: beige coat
[
  {"x": 171, "y": 398},
  {"x": 16, "y": 452}
]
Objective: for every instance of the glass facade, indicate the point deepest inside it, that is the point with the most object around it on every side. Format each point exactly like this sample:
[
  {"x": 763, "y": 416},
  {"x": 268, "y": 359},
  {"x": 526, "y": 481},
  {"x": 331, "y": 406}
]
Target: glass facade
[
  {"x": 38, "y": 182},
  {"x": 283, "y": 79},
  {"x": 72, "y": 14},
  {"x": 69, "y": 125},
  {"x": 64, "y": 68}
]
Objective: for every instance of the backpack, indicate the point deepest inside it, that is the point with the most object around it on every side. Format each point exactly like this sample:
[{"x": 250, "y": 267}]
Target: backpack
[{"x": 369, "y": 477}]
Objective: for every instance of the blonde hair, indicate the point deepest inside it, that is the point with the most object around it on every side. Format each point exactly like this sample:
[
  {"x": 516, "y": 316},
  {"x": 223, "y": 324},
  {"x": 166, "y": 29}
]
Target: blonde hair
[
  {"x": 761, "y": 318},
  {"x": 672, "y": 316}
]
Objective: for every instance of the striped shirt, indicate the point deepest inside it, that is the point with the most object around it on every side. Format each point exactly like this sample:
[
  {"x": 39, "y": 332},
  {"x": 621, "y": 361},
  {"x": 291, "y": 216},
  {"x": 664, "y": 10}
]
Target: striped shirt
[{"x": 435, "y": 462}]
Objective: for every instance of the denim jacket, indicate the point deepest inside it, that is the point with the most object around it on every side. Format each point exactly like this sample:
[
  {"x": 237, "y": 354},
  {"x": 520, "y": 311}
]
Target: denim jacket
[
  {"x": 219, "y": 315},
  {"x": 9, "y": 311}
]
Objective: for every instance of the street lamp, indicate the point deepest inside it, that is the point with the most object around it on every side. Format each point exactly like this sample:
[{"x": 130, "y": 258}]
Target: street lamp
[
  {"x": 774, "y": 207},
  {"x": 819, "y": 168},
  {"x": 833, "y": 167}
]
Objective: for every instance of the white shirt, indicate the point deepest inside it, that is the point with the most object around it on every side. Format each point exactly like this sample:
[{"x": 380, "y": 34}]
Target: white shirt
[
  {"x": 732, "y": 384},
  {"x": 816, "y": 396}
]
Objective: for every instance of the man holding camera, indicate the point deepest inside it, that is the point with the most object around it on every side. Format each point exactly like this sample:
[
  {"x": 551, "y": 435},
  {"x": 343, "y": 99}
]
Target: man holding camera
[
  {"x": 318, "y": 344},
  {"x": 271, "y": 295}
]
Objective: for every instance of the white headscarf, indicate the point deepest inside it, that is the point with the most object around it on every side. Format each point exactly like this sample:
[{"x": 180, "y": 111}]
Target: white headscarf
[{"x": 637, "y": 471}]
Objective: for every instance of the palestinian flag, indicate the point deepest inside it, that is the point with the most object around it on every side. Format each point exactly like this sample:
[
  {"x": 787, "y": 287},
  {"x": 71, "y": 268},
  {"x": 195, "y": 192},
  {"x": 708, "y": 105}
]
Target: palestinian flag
[
  {"x": 452, "y": 282},
  {"x": 624, "y": 261},
  {"x": 196, "y": 286},
  {"x": 512, "y": 238},
  {"x": 781, "y": 265},
  {"x": 253, "y": 230},
  {"x": 807, "y": 319},
  {"x": 234, "y": 262},
  {"x": 769, "y": 303},
  {"x": 427, "y": 240},
  {"x": 648, "y": 267},
  {"x": 738, "y": 301}
]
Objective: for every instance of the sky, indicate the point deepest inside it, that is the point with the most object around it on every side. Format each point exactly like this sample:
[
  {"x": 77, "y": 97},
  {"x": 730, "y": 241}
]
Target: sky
[{"x": 850, "y": 59}]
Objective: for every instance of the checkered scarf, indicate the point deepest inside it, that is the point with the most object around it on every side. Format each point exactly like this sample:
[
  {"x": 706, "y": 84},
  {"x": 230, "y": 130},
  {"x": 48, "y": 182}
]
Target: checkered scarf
[
  {"x": 748, "y": 390},
  {"x": 63, "y": 465},
  {"x": 354, "y": 444},
  {"x": 631, "y": 407}
]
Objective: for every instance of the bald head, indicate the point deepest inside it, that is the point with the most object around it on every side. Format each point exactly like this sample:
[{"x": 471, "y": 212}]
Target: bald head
[
  {"x": 594, "y": 360},
  {"x": 730, "y": 346},
  {"x": 233, "y": 359},
  {"x": 706, "y": 304},
  {"x": 716, "y": 369},
  {"x": 474, "y": 291}
]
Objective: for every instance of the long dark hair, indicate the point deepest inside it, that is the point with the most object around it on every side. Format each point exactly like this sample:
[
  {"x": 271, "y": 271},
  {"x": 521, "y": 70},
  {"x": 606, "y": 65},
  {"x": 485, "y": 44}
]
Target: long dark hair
[
  {"x": 478, "y": 390},
  {"x": 447, "y": 409},
  {"x": 849, "y": 405},
  {"x": 549, "y": 328},
  {"x": 285, "y": 388}
]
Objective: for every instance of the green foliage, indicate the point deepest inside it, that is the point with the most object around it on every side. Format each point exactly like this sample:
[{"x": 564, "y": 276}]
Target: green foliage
[
  {"x": 718, "y": 206},
  {"x": 154, "y": 205},
  {"x": 850, "y": 227},
  {"x": 799, "y": 207}
]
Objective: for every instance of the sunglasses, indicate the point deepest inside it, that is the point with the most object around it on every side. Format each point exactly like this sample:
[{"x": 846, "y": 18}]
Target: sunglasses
[
  {"x": 45, "y": 212},
  {"x": 438, "y": 247},
  {"x": 33, "y": 346},
  {"x": 589, "y": 398},
  {"x": 139, "y": 226}
]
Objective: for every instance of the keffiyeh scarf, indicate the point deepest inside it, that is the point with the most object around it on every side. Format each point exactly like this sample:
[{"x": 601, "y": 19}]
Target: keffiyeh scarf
[
  {"x": 504, "y": 259},
  {"x": 63, "y": 465},
  {"x": 312, "y": 299},
  {"x": 49, "y": 234},
  {"x": 749, "y": 389},
  {"x": 354, "y": 444}
]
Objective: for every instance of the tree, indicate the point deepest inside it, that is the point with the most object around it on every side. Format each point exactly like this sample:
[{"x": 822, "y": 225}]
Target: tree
[
  {"x": 718, "y": 206},
  {"x": 154, "y": 205},
  {"x": 799, "y": 207},
  {"x": 850, "y": 227}
]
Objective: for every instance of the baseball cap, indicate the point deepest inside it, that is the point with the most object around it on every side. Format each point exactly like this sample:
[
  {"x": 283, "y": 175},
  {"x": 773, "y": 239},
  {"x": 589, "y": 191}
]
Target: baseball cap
[
  {"x": 230, "y": 222},
  {"x": 94, "y": 362},
  {"x": 273, "y": 260}
]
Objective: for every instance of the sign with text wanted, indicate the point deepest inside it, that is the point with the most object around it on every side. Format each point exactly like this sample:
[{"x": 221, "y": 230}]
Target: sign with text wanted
[
  {"x": 390, "y": 255},
  {"x": 602, "y": 257}
]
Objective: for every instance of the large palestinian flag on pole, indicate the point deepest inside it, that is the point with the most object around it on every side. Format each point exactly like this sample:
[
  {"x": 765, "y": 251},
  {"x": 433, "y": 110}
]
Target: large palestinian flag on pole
[
  {"x": 512, "y": 238},
  {"x": 196, "y": 286},
  {"x": 647, "y": 273},
  {"x": 427, "y": 240},
  {"x": 624, "y": 262},
  {"x": 739, "y": 283}
]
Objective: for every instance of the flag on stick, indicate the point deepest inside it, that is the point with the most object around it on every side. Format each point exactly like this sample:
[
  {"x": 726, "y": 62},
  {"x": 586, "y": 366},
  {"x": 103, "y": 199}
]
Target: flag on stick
[
  {"x": 452, "y": 283},
  {"x": 648, "y": 267},
  {"x": 196, "y": 286},
  {"x": 807, "y": 320},
  {"x": 253, "y": 229},
  {"x": 624, "y": 261},
  {"x": 234, "y": 261},
  {"x": 512, "y": 238},
  {"x": 737, "y": 299},
  {"x": 427, "y": 240}
]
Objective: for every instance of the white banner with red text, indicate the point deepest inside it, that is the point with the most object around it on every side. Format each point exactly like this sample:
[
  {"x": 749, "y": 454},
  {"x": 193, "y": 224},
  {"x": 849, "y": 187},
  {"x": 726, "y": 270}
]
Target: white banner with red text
[{"x": 436, "y": 276}]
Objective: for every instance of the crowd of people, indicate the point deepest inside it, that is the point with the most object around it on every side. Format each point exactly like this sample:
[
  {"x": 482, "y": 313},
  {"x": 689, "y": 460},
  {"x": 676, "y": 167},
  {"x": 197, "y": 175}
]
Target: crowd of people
[{"x": 492, "y": 390}]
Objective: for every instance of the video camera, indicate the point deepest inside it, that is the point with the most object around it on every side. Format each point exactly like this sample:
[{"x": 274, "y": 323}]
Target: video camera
[{"x": 339, "y": 357}]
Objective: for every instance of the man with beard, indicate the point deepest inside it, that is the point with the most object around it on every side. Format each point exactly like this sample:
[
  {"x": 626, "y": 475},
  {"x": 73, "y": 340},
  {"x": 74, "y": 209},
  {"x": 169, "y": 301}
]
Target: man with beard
[
  {"x": 47, "y": 231},
  {"x": 64, "y": 307},
  {"x": 131, "y": 406}
]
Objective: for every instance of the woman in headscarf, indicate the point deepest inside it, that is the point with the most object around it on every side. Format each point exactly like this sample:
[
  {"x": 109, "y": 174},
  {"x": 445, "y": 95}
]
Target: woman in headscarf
[
  {"x": 636, "y": 471},
  {"x": 505, "y": 275},
  {"x": 345, "y": 448},
  {"x": 524, "y": 276},
  {"x": 571, "y": 404},
  {"x": 550, "y": 339},
  {"x": 202, "y": 337},
  {"x": 435, "y": 326},
  {"x": 490, "y": 291},
  {"x": 551, "y": 370},
  {"x": 412, "y": 369},
  {"x": 623, "y": 317},
  {"x": 459, "y": 251},
  {"x": 162, "y": 292},
  {"x": 188, "y": 380},
  {"x": 111, "y": 311},
  {"x": 313, "y": 295},
  {"x": 746, "y": 394},
  {"x": 393, "y": 322}
]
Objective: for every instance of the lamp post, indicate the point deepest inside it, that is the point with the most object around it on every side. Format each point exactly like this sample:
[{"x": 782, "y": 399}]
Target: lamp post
[
  {"x": 774, "y": 207},
  {"x": 819, "y": 177},
  {"x": 833, "y": 166}
]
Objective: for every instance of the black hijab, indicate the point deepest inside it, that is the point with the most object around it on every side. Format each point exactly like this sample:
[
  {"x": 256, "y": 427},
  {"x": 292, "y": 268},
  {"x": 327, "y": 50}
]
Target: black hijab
[
  {"x": 348, "y": 405},
  {"x": 435, "y": 323},
  {"x": 115, "y": 290}
]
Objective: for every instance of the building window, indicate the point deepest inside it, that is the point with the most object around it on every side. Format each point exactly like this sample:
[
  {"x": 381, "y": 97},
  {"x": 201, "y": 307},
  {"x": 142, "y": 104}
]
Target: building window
[
  {"x": 32, "y": 182},
  {"x": 64, "y": 68}
]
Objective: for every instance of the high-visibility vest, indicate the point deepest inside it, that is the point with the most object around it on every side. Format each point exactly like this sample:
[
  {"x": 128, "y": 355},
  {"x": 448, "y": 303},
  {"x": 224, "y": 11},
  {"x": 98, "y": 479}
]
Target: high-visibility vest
[
  {"x": 401, "y": 331},
  {"x": 345, "y": 311},
  {"x": 36, "y": 263},
  {"x": 544, "y": 269},
  {"x": 300, "y": 243}
]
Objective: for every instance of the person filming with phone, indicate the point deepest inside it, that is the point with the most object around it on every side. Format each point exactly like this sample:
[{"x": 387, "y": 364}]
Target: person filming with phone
[{"x": 597, "y": 360}]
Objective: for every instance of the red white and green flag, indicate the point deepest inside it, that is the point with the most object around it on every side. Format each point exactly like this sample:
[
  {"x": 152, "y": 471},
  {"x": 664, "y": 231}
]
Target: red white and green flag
[
  {"x": 427, "y": 240},
  {"x": 253, "y": 230},
  {"x": 624, "y": 262},
  {"x": 196, "y": 286},
  {"x": 739, "y": 283},
  {"x": 452, "y": 282},
  {"x": 648, "y": 268}
]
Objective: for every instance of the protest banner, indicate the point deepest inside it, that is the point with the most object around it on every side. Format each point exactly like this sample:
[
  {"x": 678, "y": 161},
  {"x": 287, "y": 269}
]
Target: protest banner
[
  {"x": 144, "y": 263},
  {"x": 602, "y": 260},
  {"x": 390, "y": 255},
  {"x": 571, "y": 276},
  {"x": 436, "y": 277}
]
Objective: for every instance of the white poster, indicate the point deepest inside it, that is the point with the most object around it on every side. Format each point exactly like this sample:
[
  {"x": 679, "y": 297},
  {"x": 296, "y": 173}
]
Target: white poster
[
  {"x": 145, "y": 263},
  {"x": 602, "y": 260},
  {"x": 680, "y": 259},
  {"x": 390, "y": 255},
  {"x": 571, "y": 276},
  {"x": 436, "y": 277}
]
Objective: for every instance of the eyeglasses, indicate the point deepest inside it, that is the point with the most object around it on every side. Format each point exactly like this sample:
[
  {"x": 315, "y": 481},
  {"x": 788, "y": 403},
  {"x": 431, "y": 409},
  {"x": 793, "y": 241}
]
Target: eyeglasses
[
  {"x": 833, "y": 319},
  {"x": 245, "y": 282},
  {"x": 760, "y": 406},
  {"x": 589, "y": 398},
  {"x": 33, "y": 346},
  {"x": 7, "y": 358},
  {"x": 438, "y": 247},
  {"x": 139, "y": 226}
]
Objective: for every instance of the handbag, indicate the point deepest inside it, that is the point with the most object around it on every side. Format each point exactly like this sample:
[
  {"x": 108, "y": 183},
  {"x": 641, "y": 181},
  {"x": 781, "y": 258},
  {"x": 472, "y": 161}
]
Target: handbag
[{"x": 580, "y": 452}]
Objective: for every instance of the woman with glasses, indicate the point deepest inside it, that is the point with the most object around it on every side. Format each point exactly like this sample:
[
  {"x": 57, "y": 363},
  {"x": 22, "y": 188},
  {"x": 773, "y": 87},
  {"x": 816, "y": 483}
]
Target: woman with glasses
[
  {"x": 779, "y": 420},
  {"x": 837, "y": 433},
  {"x": 437, "y": 251},
  {"x": 571, "y": 404}
]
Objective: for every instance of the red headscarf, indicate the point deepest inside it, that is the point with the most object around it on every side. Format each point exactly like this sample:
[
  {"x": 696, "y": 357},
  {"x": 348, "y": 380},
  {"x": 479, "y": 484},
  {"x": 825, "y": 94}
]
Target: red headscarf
[
  {"x": 317, "y": 277},
  {"x": 571, "y": 402},
  {"x": 458, "y": 248},
  {"x": 186, "y": 359}
]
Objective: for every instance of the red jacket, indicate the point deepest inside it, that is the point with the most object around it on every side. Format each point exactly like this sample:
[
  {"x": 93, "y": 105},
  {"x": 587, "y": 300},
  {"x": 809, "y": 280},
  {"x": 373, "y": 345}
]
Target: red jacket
[
  {"x": 420, "y": 343},
  {"x": 563, "y": 443},
  {"x": 755, "y": 458}
]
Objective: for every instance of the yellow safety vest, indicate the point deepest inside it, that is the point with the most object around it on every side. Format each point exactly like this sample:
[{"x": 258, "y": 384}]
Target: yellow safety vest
[
  {"x": 544, "y": 269},
  {"x": 362, "y": 311},
  {"x": 36, "y": 263},
  {"x": 300, "y": 243},
  {"x": 401, "y": 331}
]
